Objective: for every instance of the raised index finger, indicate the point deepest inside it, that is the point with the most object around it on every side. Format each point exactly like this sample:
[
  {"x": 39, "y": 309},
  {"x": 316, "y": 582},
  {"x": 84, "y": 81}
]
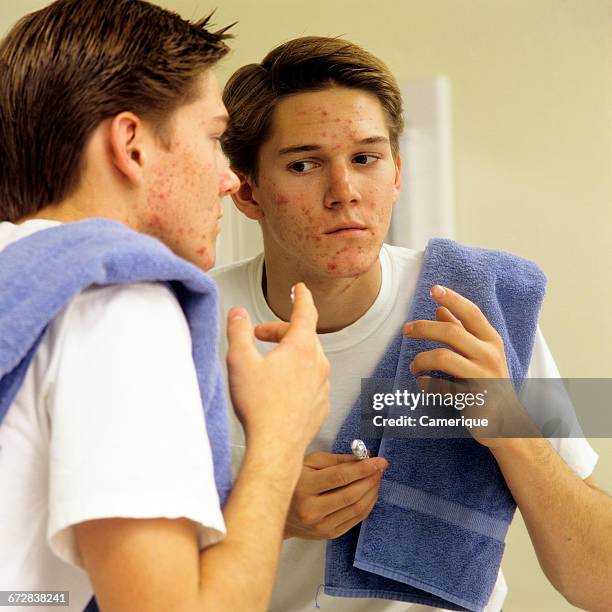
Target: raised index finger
[
  {"x": 304, "y": 315},
  {"x": 467, "y": 312}
]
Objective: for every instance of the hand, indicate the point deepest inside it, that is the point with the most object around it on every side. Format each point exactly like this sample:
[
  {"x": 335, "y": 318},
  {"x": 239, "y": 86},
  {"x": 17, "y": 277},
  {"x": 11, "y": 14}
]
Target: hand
[
  {"x": 334, "y": 493},
  {"x": 281, "y": 398},
  {"x": 478, "y": 348},
  {"x": 476, "y": 352}
]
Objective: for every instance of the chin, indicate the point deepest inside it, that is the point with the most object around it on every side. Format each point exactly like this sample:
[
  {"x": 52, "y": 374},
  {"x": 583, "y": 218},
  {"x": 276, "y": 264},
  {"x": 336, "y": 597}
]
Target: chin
[
  {"x": 350, "y": 265},
  {"x": 203, "y": 258}
]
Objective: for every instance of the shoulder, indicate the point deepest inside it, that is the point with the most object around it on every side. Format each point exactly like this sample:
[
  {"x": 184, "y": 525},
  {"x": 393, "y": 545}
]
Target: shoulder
[
  {"x": 134, "y": 304},
  {"x": 131, "y": 319}
]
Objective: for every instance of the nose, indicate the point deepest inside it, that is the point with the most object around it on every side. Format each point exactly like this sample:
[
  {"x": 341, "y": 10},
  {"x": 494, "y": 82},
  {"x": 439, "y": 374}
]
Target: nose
[
  {"x": 341, "y": 188},
  {"x": 229, "y": 182}
]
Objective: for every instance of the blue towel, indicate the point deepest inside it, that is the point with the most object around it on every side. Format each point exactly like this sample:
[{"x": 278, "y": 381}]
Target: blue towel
[
  {"x": 436, "y": 535},
  {"x": 41, "y": 273}
]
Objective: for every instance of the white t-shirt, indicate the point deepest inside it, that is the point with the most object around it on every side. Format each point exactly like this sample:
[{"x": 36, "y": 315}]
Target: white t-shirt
[
  {"x": 353, "y": 353},
  {"x": 108, "y": 423}
]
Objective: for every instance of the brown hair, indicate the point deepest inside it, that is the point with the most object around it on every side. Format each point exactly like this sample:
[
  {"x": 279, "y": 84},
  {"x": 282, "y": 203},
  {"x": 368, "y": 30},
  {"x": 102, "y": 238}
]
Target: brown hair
[
  {"x": 310, "y": 63},
  {"x": 66, "y": 68}
]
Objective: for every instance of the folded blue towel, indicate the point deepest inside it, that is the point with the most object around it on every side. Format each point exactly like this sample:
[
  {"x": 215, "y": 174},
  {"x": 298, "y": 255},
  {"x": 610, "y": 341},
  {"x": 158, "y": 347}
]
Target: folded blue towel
[
  {"x": 41, "y": 273},
  {"x": 436, "y": 535}
]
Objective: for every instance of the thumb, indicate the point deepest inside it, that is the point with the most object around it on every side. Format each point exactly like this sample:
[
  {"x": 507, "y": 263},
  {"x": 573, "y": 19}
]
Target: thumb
[
  {"x": 273, "y": 331},
  {"x": 320, "y": 460},
  {"x": 240, "y": 338}
]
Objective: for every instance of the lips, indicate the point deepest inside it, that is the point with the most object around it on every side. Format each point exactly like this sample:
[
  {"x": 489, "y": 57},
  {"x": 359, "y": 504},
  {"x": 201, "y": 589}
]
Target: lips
[{"x": 346, "y": 226}]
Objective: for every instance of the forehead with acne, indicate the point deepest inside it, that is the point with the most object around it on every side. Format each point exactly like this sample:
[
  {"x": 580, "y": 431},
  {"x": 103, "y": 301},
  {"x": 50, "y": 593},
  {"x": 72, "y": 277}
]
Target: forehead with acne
[{"x": 337, "y": 113}]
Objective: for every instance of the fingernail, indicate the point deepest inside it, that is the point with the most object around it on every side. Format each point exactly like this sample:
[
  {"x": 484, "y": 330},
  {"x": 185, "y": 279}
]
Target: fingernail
[
  {"x": 408, "y": 328},
  {"x": 292, "y": 294},
  {"x": 411, "y": 367},
  {"x": 437, "y": 291},
  {"x": 239, "y": 313}
]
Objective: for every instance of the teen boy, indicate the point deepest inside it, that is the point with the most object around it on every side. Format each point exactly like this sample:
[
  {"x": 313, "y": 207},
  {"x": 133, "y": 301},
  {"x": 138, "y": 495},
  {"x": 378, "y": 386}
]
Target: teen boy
[
  {"x": 111, "y": 109},
  {"x": 314, "y": 137}
]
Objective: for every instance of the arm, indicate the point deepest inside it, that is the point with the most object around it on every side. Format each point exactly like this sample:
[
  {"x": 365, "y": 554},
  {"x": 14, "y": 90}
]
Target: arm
[
  {"x": 569, "y": 520},
  {"x": 155, "y": 564}
]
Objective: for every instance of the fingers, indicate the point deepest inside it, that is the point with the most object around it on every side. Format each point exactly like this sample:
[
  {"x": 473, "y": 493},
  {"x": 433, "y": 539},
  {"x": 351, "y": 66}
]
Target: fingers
[
  {"x": 447, "y": 333},
  {"x": 273, "y": 331},
  {"x": 320, "y": 459},
  {"x": 428, "y": 384},
  {"x": 304, "y": 315},
  {"x": 338, "y": 476},
  {"x": 312, "y": 511},
  {"x": 467, "y": 312},
  {"x": 447, "y": 361},
  {"x": 239, "y": 336},
  {"x": 353, "y": 493},
  {"x": 444, "y": 315},
  {"x": 341, "y": 521},
  {"x": 337, "y": 499}
]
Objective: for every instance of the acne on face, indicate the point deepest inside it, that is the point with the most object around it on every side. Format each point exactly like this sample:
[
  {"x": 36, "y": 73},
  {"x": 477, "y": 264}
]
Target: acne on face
[
  {"x": 164, "y": 215},
  {"x": 185, "y": 182},
  {"x": 295, "y": 214},
  {"x": 157, "y": 203}
]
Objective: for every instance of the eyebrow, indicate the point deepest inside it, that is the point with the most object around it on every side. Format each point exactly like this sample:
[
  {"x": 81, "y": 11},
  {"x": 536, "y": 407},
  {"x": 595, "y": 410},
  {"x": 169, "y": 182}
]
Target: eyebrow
[{"x": 315, "y": 147}]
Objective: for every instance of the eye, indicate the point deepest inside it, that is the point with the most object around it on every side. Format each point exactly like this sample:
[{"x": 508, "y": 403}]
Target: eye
[
  {"x": 364, "y": 159},
  {"x": 302, "y": 167}
]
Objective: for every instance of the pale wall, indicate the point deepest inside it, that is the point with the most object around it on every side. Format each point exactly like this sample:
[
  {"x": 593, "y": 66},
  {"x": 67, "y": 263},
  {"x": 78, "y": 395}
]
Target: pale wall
[{"x": 532, "y": 108}]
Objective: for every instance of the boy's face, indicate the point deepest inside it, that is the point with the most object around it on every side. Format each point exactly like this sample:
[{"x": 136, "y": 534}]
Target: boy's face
[
  {"x": 327, "y": 182},
  {"x": 188, "y": 180}
]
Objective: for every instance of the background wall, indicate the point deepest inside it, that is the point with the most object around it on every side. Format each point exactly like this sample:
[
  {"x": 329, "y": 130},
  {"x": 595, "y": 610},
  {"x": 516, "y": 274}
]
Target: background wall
[{"x": 532, "y": 158}]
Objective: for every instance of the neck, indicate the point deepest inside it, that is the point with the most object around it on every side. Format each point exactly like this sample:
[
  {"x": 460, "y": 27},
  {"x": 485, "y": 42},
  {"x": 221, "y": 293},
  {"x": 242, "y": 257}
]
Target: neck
[
  {"x": 340, "y": 301},
  {"x": 78, "y": 208}
]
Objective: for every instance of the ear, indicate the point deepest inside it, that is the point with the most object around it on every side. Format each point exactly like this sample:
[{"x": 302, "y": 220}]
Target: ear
[
  {"x": 127, "y": 146},
  {"x": 397, "y": 183},
  {"x": 244, "y": 198}
]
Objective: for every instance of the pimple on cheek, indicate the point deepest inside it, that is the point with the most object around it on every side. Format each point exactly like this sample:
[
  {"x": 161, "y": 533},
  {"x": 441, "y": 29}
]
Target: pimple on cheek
[
  {"x": 155, "y": 222},
  {"x": 160, "y": 192},
  {"x": 281, "y": 199},
  {"x": 201, "y": 251},
  {"x": 331, "y": 266}
]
